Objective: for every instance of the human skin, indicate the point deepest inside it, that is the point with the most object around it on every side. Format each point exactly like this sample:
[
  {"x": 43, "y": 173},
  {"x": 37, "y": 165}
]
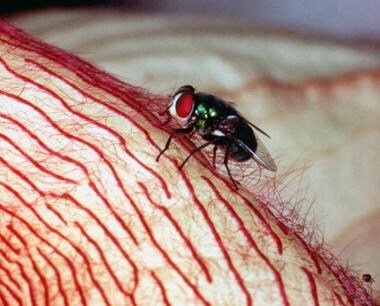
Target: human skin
[{"x": 88, "y": 217}]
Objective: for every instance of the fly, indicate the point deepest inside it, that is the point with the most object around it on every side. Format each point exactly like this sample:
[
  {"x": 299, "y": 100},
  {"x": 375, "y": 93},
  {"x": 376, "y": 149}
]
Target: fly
[{"x": 219, "y": 124}]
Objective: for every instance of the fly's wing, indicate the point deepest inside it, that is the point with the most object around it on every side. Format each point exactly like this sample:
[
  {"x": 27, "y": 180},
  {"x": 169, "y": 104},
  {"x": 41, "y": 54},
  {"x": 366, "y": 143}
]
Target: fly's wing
[
  {"x": 261, "y": 155},
  {"x": 256, "y": 127},
  {"x": 233, "y": 106}
]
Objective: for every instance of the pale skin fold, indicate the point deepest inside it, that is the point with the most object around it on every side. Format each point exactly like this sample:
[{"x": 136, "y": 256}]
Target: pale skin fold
[{"x": 88, "y": 217}]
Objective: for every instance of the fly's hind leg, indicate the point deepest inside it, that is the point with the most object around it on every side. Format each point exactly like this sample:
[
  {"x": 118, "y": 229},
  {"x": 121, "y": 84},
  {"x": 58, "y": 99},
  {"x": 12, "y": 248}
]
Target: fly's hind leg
[
  {"x": 226, "y": 155},
  {"x": 214, "y": 156},
  {"x": 193, "y": 152}
]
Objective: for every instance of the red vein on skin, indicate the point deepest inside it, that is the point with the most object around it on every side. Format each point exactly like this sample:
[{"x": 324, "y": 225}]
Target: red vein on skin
[
  {"x": 62, "y": 292},
  {"x": 21, "y": 175},
  {"x": 9, "y": 245},
  {"x": 16, "y": 233},
  {"x": 312, "y": 285},
  {"x": 78, "y": 250},
  {"x": 211, "y": 226},
  {"x": 337, "y": 296},
  {"x": 11, "y": 292},
  {"x": 162, "y": 289},
  {"x": 60, "y": 58},
  {"x": 69, "y": 263},
  {"x": 163, "y": 253},
  {"x": 142, "y": 129},
  {"x": 2, "y": 298},
  {"x": 312, "y": 255},
  {"x": 103, "y": 257},
  {"x": 115, "y": 110},
  {"x": 86, "y": 171},
  {"x": 242, "y": 227},
  {"x": 26, "y": 279},
  {"x": 56, "y": 212},
  {"x": 85, "y": 260},
  {"x": 310, "y": 252},
  {"x": 41, "y": 277},
  {"x": 94, "y": 148},
  {"x": 264, "y": 222},
  {"x": 279, "y": 224},
  {"x": 276, "y": 273},
  {"x": 109, "y": 206},
  {"x": 72, "y": 244},
  {"x": 338, "y": 278},
  {"x": 43, "y": 145},
  {"x": 11, "y": 278},
  {"x": 35, "y": 232},
  {"x": 82, "y": 75},
  {"x": 74, "y": 69},
  {"x": 36, "y": 164},
  {"x": 188, "y": 243},
  {"x": 120, "y": 139},
  {"x": 97, "y": 84},
  {"x": 113, "y": 239}
]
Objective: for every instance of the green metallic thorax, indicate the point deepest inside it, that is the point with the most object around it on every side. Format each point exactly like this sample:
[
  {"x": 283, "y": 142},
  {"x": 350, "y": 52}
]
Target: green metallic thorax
[{"x": 205, "y": 116}]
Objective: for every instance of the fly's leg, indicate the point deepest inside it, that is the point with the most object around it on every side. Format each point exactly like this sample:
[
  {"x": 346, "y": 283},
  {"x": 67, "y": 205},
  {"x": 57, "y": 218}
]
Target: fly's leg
[
  {"x": 226, "y": 155},
  {"x": 175, "y": 132},
  {"x": 193, "y": 152},
  {"x": 214, "y": 156}
]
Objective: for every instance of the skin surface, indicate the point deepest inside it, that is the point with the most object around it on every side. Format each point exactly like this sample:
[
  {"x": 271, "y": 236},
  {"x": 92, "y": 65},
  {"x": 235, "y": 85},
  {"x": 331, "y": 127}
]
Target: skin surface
[{"x": 89, "y": 218}]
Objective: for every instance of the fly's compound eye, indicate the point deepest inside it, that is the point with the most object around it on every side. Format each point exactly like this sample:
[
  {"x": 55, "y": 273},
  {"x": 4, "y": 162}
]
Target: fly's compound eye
[
  {"x": 182, "y": 107},
  {"x": 185, "y": 88}
]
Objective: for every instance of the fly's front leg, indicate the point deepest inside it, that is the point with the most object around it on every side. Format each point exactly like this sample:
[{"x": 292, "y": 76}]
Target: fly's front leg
[{"x": 175, "y": 132}]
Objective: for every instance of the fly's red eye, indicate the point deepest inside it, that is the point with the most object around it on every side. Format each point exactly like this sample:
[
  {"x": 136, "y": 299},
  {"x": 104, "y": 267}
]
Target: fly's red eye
[{"x": 184, "y": 105}]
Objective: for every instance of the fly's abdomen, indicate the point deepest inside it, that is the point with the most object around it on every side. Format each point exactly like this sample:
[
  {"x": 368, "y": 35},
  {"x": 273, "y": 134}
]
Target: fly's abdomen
[
  {"x": 238, "y": 153},
  {"x": 244, "y": 134}
]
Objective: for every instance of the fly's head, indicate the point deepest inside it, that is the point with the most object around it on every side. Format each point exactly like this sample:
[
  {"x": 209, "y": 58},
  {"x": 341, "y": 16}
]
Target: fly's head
[{"x": 181, "y": 107}]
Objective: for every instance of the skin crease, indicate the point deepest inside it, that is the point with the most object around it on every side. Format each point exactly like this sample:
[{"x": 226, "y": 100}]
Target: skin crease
[{"x": 89, "y": 218}]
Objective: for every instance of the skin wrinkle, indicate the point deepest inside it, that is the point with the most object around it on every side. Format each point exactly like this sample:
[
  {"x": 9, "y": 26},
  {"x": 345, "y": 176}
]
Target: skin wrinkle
[{"x": 111, "y": 234}]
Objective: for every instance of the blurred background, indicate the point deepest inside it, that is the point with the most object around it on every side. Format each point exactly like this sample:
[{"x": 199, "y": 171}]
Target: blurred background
[
  {"x": 352, "y": 19},
  {"x": 307, "y": 72}
]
